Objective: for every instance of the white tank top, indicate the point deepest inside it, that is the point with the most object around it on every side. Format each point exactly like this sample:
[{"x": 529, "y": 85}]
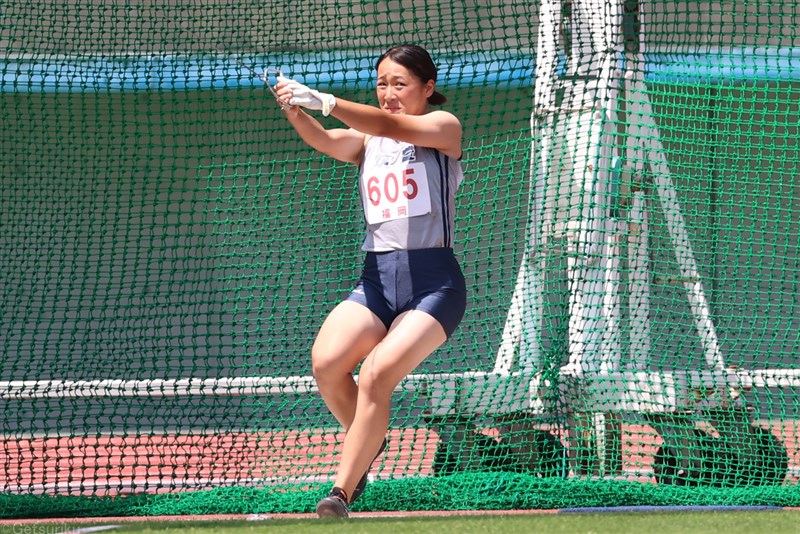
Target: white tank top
[{"x": 408, "y": 194}]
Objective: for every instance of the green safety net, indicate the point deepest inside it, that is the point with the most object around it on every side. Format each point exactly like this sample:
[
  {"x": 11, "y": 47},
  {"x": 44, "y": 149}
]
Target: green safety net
[{"x": 628, "y": 229}]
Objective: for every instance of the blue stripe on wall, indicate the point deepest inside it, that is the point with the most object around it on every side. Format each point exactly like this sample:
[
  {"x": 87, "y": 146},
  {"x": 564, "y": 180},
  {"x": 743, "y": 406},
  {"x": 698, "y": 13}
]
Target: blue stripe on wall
[{"x": 352, "y": 71}]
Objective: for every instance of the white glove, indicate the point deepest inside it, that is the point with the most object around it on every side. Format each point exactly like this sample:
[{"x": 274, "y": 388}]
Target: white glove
[{"x": 309, "y": 98}]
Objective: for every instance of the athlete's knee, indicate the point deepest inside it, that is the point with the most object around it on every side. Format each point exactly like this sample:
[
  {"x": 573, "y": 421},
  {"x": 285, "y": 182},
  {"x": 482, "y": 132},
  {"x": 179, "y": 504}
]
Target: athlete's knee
[
  {"x": 324, "y": 364},
  {"x": 327, "y": 363},
  {"x": 377, "y": 383}
]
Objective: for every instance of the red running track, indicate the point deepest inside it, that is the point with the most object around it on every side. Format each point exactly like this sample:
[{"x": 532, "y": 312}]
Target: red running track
[{"x": 109, "y": 465}]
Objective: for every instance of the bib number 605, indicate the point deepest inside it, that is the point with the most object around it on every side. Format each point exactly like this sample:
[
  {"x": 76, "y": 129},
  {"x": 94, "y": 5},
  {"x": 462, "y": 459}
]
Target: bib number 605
[
  {"x": 395, "y": 193},
  {"x": 392, "y": 188}
]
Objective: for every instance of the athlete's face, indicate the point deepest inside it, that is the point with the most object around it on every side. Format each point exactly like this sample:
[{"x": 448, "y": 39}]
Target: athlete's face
[{"x": 401, "y": 91}]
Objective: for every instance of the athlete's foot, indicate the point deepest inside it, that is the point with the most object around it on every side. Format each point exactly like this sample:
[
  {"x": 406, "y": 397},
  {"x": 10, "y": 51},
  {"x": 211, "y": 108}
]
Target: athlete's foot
[{"x": 334, "y": 505}]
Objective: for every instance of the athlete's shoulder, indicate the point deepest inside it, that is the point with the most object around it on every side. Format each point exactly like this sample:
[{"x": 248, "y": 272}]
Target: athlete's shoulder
[{"x": 440, "y": 114}]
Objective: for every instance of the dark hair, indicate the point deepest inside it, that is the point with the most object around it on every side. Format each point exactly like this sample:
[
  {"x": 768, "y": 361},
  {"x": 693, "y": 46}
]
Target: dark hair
[{"x": 418, "y": 61}]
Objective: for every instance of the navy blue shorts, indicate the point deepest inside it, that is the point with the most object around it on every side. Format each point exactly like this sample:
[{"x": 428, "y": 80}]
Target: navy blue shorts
[{"x": 427, "y": 279}]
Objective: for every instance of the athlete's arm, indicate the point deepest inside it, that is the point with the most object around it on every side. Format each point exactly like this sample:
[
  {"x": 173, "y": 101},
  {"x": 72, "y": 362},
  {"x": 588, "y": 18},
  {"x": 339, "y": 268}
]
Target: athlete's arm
[
  {"x": 438, "y": 129},
  {"x": 338, "y": 143}
]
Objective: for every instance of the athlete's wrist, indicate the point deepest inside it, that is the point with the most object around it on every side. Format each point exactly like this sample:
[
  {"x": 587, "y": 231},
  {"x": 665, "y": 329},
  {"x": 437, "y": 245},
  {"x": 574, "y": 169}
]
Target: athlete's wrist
[{"x": 292, "y": 111}]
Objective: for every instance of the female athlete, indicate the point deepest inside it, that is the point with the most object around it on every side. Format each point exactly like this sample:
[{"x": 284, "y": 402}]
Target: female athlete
[{"x": 411, "y": 295}]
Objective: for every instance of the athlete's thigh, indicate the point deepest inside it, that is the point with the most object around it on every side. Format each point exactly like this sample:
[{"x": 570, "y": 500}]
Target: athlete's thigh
[
  {"x": 414, "y": 335},
  {"x": 347, "y": 335}
]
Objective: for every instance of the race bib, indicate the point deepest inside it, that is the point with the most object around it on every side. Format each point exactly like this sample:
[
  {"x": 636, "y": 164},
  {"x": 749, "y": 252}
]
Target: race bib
[{"x": 396, "y": 192}]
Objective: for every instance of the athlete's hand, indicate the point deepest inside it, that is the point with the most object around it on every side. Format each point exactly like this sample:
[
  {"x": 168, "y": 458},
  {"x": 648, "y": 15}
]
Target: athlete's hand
[{"x": 296, "y": 94}]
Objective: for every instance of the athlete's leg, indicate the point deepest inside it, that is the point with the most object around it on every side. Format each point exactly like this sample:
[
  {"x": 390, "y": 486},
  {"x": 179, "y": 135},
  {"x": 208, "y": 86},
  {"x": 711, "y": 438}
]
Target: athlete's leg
[
  {"x": 414, "y": 335},
  {"x": 347, "y": 335}
]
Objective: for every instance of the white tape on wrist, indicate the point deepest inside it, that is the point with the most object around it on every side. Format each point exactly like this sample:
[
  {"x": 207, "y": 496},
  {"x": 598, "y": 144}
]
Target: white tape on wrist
[{"x": 328, "y": 103}]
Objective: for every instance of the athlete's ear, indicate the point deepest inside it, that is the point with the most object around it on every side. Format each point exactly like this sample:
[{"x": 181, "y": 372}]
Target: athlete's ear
[{"x": 429, "y": 86}]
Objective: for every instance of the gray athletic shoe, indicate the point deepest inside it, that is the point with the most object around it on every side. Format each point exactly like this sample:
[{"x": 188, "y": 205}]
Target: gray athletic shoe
[
  {"x": 334, "y": 505},
  {"x": 362, "y": 484}
]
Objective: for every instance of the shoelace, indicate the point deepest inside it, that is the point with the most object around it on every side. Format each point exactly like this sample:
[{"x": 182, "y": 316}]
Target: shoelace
[{"x": 339, "y": 493}]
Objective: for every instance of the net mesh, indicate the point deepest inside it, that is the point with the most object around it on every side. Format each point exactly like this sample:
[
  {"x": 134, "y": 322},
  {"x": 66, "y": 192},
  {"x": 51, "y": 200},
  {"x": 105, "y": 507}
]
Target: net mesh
[{"x": 628, "y": 230}]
